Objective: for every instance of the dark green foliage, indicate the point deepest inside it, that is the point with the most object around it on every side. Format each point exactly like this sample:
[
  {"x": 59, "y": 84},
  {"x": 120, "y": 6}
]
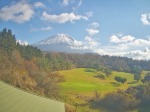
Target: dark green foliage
[
  {"x": 120, "y": 79},
  {"x": 58, "y": 61},
  {"x": 7, "y": 41},
  {"x": 118, "y": 101},
  {"x": 101, "y": 63},
  {"x": 101, "y": 76},
  {"x": 137, "y": 72},
  {"x": 28, "y": 52},
  {"x": 146, "y": 95},
  {"x": 137, "y": 77},
  {"x": 142, "y": 93},
  {"x": 146, "y": 78},
  {"x": 108, "y": 72},
  {"x": 137, "y": 97}
]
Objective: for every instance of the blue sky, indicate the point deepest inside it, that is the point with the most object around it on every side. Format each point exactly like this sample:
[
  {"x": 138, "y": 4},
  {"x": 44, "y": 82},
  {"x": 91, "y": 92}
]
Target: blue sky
[{"x": 112, "y": 27}]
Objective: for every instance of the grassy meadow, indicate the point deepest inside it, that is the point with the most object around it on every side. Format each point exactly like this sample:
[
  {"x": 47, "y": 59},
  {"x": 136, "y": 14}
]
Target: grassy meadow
[
  {"x": 81, "y": 83},
  {"x": 83, "y": 80}
]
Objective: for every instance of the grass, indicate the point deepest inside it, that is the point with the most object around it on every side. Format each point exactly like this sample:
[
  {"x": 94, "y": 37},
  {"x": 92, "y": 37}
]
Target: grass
[
  {"x": 80, "y": 84},
  {"x": 15, "y": 100},
  {"x": 82, "y": 81}
]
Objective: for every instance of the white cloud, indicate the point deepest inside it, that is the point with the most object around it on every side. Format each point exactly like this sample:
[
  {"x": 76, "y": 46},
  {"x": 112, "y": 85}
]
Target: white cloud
[
  {"x": 123, "y": 39},
  {"x": 22, "y": 42},
  {"x": 139, "y": 42},
  {"x": 127, "y": 46},
  {"x": 110, "y": 53},
  {"x": 92, "y": 44},
  {"x": 136, "y": 44},
  {"x": 89, "y": 14},
  {"x": 139, "y": 54},
  {"x": 145, "y": 18},
  {"x": 90, "y": 41},
  {"x": 93, "y": 28},
  {"x": 92, "y": 31},
  {"x": 135, "y": 54},
  {"x": 62, "y": 18},
  {"x": 19, "y": 12},
  {"x": 100, "y": 51},
  {"x": 77, "y": 43},
  {"x": 48, "y": 28},
  {"x": 39, "y": 4}
]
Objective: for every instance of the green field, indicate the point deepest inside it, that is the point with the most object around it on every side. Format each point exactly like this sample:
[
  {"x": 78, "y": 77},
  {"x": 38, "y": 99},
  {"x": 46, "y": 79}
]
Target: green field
[
  {"x": 81, "y": 80},
  {"x": 15, "y": 100},
  {"x": 81, "y": 83}
]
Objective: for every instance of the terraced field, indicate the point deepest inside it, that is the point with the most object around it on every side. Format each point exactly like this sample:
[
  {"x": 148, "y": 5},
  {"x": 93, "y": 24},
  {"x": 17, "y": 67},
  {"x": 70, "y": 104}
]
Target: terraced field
[{"x": 15, "y": 100}]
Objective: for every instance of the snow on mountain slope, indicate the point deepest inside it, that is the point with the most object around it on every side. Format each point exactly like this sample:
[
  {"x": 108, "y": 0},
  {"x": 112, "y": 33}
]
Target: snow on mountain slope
[
  {"x": 61, "y": 43},
  {"x": 60, "y": 38}
]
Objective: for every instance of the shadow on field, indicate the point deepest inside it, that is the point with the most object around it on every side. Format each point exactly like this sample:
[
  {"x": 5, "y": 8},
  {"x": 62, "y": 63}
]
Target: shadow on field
[
  {"x": 115, "y": 84},
  {"x": 89, "y": 70},
  {"x": 133, "y": 82}
]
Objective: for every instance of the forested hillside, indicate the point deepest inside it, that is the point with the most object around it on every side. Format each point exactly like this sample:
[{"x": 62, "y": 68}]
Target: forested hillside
[
  {"x": 97, "y": 62},
  {"x": 25, "y": 67}
]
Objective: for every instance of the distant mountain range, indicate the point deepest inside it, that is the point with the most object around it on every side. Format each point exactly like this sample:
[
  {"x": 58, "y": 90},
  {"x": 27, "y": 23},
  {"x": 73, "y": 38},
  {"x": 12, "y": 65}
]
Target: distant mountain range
[{"x": 60, "y": 43}]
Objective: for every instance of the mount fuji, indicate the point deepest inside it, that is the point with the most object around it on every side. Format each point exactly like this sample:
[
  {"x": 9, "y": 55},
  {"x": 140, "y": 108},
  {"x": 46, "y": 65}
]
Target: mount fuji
[{"x": 61, "y": 43}]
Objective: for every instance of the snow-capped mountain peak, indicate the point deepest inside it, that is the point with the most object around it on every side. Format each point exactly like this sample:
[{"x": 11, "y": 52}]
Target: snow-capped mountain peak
[
  {"x": 61, "y": 43},
  {"x": 59, "y": 38}
]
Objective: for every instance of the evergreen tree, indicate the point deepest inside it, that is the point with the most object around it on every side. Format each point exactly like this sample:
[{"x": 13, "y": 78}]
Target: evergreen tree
[
  {"x": 120, "y": 79},
  {"x": 7, "y": 41}
]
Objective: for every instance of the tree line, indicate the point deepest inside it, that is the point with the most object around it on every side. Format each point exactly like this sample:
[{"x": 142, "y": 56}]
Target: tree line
[{"x": 98, "y": 62}]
